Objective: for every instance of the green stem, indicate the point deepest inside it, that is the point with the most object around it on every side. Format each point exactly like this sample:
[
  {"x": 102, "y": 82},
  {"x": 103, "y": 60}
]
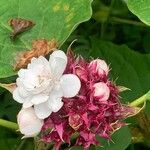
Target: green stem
[
  {"x": 22, "y": 144},
  {"x": 132, "y": 147},
  {"x": 139, "y": 101},
  {"x": 126, "y": 21},
  {"x": 8, "y": 124},
  {"x": 105, "y": 24}
]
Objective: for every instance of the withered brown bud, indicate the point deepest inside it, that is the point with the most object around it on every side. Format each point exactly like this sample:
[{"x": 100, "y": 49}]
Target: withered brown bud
[{"x": 39, "y": 48}]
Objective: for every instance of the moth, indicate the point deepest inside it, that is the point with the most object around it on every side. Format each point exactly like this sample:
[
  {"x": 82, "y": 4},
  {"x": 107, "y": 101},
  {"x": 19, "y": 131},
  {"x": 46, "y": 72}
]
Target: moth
[{"x": 19, "y": 26}]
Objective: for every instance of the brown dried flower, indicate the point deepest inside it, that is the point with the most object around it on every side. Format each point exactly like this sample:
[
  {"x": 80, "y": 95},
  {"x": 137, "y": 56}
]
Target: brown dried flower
[{"x": 39, "y": 48}]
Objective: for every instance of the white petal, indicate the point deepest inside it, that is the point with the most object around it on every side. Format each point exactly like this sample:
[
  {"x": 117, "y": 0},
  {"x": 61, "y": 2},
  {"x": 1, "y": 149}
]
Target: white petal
[
  {"x": 18, "y": 82},
  {"x": 33, "y": 63},
  {"x": 28, "y": 122},
  {"x": 60, "y": 54},
  {"x": 42, "y": 110},
  {"x": 57, "y": 91},
  {"x": 27, "y": 103},
  {"x": 39, "y": 98},
  {"x": 58, "y": 62},
  {"x": 23, "y": 92},
  {"x": 21, "y": 73},
  {"x": 43, "y": 61},
  {"x": 55, "y": 103},
  {"x": 58, "y": 66},
  {"x": 39, "y": 62},
  {"x": 30, "y": 81},
  {"x": 31, "y": 130},
  {"x": 70, "y": 84},
  {"x": 17, "y": 97}
]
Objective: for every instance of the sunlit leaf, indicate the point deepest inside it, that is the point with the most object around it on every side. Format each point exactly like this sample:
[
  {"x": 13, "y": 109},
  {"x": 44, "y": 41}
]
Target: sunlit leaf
[
  {"x": 141, "y": 9},
  {"x": 53, "y": 20},
  {"x": 120, "y": 140}
]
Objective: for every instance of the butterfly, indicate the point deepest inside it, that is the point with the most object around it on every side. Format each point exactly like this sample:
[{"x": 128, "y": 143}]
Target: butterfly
[{"x": 19, "y": 25}]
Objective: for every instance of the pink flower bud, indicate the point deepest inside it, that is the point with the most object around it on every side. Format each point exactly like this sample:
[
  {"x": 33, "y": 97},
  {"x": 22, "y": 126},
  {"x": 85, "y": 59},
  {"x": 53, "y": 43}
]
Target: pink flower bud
[
  {"x": 101, "y": 91},
  {"x": 99, "y": 66},
  {"x": 29, "y": 124}
]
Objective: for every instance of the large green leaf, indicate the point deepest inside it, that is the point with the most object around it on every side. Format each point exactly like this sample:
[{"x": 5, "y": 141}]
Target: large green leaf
[
  {"x": 54, "y": 19},
  {"x": 120, "y": 140},
  {"x": 7, "y": 140},
  {"x": 12, "y": 141},
  {"x": 141, "y": 9},
  {"x": 130, "y": 68},
  {"x": 8, "y": 108}
]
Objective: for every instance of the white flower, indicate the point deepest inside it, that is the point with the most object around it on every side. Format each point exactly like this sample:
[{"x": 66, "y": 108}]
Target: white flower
[
  {"x": 101, "y": 91},
  {"x": 29, "y": 124},
  {"x": 43, "y": 84}
]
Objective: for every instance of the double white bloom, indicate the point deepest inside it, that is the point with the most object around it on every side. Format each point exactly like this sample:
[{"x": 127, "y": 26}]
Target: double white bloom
[{"x": 42, "y": 85}]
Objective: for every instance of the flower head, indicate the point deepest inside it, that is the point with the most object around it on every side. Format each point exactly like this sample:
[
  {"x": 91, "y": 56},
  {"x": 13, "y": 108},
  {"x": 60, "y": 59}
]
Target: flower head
[
  {"x": 43, "y": 84},
  {"x": 96, "y": 110},
  {"x": 29, "y": 124}
]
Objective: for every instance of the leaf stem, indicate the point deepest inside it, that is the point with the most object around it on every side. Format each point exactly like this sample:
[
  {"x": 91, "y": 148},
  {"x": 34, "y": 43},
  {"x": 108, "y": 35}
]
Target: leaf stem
[
  {"x": 105, "y": 24},
  {"x": 22, "y": 144},
  {"x": 139, "y": 101},
  {"x": 8, "y": 124},
  {"x": 126, "y": 21}
]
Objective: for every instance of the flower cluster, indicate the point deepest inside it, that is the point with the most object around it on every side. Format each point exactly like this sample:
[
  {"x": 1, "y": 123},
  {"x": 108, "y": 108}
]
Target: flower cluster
[
  {"x": 96, "y": 110},
  {"x": 68, "y": 95}
]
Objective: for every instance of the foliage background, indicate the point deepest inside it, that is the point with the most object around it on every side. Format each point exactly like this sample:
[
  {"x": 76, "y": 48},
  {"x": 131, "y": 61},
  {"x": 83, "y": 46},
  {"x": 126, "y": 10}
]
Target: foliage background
[{"x": 113, "y": 33}]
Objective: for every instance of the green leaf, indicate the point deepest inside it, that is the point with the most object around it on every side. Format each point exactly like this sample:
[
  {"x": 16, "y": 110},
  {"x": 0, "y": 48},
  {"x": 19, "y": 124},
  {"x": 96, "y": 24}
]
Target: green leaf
[
  {"x": 8, "y": 140},
  {"x": 53, "y": 20},
  {"x": 141, "y": 9},
  {"x": 120, "y": 140},
  {"x": 8, "y": 108},
  {"x": 13, "y": 141},
  {"x": 131, "y": 69}
]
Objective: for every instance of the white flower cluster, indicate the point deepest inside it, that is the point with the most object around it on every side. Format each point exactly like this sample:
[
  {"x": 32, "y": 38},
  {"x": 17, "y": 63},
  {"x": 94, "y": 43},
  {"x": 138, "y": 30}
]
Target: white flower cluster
[{"x": 40, "y": 89}]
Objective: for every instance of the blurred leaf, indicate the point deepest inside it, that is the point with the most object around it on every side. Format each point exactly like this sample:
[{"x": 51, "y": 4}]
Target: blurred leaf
[
  {"x": 131, "y": 69},
  {"x": 11, "y": 79},
  {"x": 8, "y": 108},
  {"x": 120, "y": 140},
  {"x": 141, "y": 9},
  {"x": 8, "y": 140},
  {"x": 102, "y": 14},
  {"x": 10, "y": 87},
  {"x": 76, "y": 148},
  {"x": 145, "y": 41},
  {"x": 120, "y": 9},
  {"x": 12, "y": 141},
  {"x": 53, "y": 20}
]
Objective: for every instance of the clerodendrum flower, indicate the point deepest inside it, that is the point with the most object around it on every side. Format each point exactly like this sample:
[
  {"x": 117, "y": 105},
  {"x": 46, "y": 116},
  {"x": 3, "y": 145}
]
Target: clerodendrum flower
[
  {"x": 52, "y": 86},
  {"x": 96, "y": 111},
  {"x": 43, "y": 84}
]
